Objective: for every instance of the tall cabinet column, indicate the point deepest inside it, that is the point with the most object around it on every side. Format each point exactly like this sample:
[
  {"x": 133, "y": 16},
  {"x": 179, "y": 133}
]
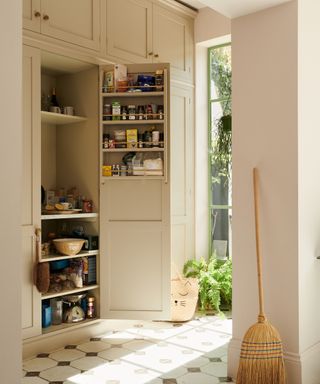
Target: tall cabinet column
[{"x": 31, "y": 187}]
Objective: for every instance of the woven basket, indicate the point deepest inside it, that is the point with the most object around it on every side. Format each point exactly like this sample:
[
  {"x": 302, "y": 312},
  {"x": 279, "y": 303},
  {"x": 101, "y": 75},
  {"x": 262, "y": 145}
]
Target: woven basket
[{"x": 184, "y": 298}]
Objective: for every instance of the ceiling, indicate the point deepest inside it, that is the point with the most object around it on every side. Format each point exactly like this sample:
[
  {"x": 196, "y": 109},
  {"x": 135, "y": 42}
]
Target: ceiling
[{"x": 235, "y": 8}]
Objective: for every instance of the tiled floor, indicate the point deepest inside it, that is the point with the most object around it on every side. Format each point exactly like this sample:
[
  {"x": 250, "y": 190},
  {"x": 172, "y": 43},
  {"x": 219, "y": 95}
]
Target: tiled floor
[{"x": 150, "y": 352}]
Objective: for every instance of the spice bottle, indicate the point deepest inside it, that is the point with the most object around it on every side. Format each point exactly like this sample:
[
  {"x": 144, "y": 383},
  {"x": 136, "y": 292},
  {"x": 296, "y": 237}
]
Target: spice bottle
[{"x": 91, "y": 307}]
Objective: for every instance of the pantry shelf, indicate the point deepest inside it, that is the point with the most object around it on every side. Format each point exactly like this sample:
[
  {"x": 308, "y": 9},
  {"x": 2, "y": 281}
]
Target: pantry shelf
[
  {"x": 69, "y": 292},
  {"x": 60, "y": 119},
  {"x": 154, "y": 149},
  {"x": 70, "y": 216},
  {"x": 132, "y": 94},
  {"x": 129, "y": 122},
  {"x": 66, "y": 326},
  {"x": 60, "y": 257}
]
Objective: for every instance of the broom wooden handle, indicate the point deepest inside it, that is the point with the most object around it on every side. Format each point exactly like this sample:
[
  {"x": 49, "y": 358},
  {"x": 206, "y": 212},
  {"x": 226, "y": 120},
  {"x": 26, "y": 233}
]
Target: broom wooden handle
[{"x": 261, "y": 317}]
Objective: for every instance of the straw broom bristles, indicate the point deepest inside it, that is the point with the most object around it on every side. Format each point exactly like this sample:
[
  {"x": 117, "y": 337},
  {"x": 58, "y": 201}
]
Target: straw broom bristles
[{"x": 261, "y": 357}]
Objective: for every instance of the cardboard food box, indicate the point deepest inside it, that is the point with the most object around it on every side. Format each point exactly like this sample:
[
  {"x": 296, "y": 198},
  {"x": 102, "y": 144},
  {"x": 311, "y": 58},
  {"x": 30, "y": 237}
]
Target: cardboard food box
[
  {"x": 132, "y": 138},
  {"x": 106, "y": 170}
]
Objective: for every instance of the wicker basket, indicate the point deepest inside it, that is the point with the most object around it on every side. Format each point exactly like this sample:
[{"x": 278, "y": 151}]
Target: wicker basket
[{"x": 184, "y": 298}]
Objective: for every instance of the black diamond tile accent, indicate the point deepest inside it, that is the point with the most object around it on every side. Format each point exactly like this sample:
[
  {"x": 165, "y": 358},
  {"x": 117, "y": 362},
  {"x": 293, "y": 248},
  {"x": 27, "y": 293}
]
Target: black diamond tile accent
[
  {"x": 92, "y": 354},
  {"x": 42, "y": 355},
  {"x": 225, "y": 379},
  {"x": 63, "y": 363},
  {"x": 32, "y": 374},
  {"x": 215, "y": 359},
  {"x": 169, "y": 381},
  {"x": 196, "y": 369},
  {"x": 95, "y": 339},
  {"x": 70, "y": 346}
]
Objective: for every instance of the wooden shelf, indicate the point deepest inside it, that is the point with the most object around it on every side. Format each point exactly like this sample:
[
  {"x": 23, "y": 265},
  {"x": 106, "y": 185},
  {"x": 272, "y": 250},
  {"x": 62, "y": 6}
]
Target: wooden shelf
[
  {"x": 132, "y": 94},
  {"x": 69, "y": 292},
  {"x": 153, "y": 149},
  {"x": 129, "y": 122},
  {"x": 60, "y": 119},
  {"x": 63, "y": 257},
  {"x": 70, "y": 216},
  {"x": 132, "y": 178},
  {"x": 66, "y": 326}
]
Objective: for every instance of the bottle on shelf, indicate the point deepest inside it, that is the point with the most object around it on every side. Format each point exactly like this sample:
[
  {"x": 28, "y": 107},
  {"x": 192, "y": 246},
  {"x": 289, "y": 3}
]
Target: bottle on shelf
[{"x": 54, "y": 101}]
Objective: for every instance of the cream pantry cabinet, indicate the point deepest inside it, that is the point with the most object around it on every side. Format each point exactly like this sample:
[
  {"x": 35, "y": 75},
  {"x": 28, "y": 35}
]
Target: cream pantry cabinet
[
  {"x": 31, "y": 304},
  {"x": 72, "y": 21},
  {"x": 143, "y": 31}
]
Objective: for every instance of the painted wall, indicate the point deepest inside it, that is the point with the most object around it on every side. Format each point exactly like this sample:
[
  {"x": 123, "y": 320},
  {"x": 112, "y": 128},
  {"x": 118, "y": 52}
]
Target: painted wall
[
  {"x": 10, "y": 159},
  {"x": 265, "y": 134},
  {"x": 210, "y": 25},
  {"x": 309, "y": 190}
]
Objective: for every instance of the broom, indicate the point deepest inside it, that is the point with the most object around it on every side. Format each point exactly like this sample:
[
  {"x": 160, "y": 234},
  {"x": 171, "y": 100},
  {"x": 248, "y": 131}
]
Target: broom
[{"x": 261, "y": 357}]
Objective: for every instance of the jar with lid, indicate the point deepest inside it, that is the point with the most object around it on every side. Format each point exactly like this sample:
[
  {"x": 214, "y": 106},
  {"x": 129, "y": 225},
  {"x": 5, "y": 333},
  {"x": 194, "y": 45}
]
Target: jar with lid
[
  {"x": 160, "y": 115},
  {"x": 159, "y": 80},
  {"x": 140, "y": 140},
  {"x": 149, "y": 112},
  {"x": 116, "y": 110},
  {"x": 132, "y": 112},
  {"x": 161, "y": 140}
]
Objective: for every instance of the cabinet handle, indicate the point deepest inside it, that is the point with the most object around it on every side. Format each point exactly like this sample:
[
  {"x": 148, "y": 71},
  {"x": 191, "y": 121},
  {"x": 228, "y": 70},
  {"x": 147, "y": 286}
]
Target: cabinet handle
[
  {"x": 45, "y": 17},
  {"x": 156, "y": 55},
  {"x": 37, "y": 14},
  {"x": 150, "y": 53},
  {"x": 38, "y": 243}
]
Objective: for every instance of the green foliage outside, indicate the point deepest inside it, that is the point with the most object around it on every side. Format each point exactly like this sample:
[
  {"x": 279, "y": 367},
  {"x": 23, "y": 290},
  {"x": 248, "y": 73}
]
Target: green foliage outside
[
  {"x": 220, "y": 66},
  {"x": 215, "y": 282}
]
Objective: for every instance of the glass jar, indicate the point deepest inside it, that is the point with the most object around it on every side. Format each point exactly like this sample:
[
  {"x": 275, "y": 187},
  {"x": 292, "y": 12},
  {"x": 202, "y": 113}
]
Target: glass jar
[{"x": 107, "y": 112}]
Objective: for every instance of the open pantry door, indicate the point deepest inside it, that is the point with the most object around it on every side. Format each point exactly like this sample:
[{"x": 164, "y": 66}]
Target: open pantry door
[{"x": 135, "y": 245}]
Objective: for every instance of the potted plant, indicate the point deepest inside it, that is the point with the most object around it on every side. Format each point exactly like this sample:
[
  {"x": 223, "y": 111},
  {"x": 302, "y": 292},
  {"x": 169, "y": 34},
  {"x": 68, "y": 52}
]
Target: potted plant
[{"x": 215, "y": 282}]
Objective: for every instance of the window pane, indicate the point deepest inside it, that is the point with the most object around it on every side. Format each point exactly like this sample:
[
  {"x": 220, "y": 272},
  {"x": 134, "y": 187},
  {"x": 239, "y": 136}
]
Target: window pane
[{"x": 220, "y": 68}]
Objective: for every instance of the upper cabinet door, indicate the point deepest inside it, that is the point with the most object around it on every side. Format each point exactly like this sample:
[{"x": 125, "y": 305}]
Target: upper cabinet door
[
  {"x": 31, "y": 15},
  {"x": 173, "y": 42},
  {"x": 73, "y": 21},
  {"x": 129, "y": 30}
]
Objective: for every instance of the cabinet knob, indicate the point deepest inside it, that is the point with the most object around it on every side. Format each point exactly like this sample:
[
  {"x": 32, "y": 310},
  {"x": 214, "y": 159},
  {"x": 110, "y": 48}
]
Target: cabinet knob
[
  {"x": 37, "y": 14},
  {"x": 150, "y": 53},
  {"x": 156, "y": 55},
  {"x": 45, "y": 17}
]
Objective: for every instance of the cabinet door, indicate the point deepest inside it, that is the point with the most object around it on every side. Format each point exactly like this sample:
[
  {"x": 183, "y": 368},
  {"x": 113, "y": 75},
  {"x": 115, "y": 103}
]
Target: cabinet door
[
  {"x": 173, "y": 42},
  {"x": 31, "y": 190},
  {"x": 73, "y": 21},
  {"x": 31, "y": 15},
  {"x": 129, "y": 30},
  {"x": 182, "y": 174},
  {"x": 135, "y": 252}
]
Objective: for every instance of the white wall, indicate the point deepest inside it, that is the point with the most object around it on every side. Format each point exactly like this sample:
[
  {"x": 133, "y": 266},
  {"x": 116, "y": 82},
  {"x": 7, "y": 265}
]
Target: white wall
[
  {"x": 210, "y": 25},
  {"x": 309, "y": 190},
  {"x": 265, "y": 134},
  {"x": 10, "y": 159},
  {"x": 211, "y": 29}
]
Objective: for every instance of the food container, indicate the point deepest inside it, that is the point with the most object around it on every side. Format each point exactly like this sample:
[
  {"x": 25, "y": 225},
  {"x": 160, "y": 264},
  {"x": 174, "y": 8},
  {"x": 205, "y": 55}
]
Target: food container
[
  {"x": 106, "y": 170},
  {"x": 116, "y": 110},
  {"x": 132, "y": 138},
  {"x": 132, "y": 112},
  {"x": 120, "y": 138},
  {"x": 68, "y": 246},
  {"x": 146, "y": 82}
]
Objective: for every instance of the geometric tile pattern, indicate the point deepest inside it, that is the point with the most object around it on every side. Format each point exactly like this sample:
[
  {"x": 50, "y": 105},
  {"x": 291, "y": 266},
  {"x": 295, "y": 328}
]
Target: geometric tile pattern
[{"x": 194, "y": 352}]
